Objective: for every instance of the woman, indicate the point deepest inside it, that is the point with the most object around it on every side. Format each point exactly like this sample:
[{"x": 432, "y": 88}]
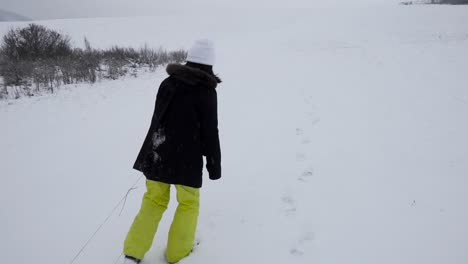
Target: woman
[{"x": 184, "y": 128}]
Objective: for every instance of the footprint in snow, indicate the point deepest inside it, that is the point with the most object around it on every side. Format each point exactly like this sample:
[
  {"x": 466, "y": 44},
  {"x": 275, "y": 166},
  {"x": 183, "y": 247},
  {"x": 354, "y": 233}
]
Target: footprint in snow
[
  {"x": 299, "y": 131},
  {"x": 296, "y": 252},
  {"x": 306, "y": 174},
  {"x": 304, "y": 138},
  {"x": 300, "y": 156},
  {"x": 304, "y": 239},
  {"x": 290, "y": 207}
]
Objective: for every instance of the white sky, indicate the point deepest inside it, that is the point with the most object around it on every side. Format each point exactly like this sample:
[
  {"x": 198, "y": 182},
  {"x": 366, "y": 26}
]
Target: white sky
[{"x": 50, "y": 9}]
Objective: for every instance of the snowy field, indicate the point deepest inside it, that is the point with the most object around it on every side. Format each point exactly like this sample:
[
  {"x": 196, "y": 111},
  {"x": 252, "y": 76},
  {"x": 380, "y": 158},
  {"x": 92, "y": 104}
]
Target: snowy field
[{"x": 343, "y": 132}]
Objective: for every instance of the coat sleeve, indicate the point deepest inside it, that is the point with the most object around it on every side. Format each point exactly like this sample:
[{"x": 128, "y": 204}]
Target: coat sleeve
[{"x": 209, "y": 133}]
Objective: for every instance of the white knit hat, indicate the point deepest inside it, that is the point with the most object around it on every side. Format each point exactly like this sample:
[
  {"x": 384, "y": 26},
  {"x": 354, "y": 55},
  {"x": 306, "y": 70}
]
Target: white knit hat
[{"x": 203, "y": 52}]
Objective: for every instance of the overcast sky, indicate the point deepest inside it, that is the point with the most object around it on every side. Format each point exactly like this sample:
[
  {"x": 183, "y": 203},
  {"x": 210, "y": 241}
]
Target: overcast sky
[{"x": 51, "y": 9}]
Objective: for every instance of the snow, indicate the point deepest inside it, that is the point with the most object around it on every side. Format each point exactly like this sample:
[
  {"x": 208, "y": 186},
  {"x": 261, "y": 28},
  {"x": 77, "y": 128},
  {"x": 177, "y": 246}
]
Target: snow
[{"x": 343, "y": 134}]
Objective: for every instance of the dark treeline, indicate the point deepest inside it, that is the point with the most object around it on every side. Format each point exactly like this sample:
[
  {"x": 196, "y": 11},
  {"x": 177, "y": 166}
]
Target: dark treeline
[
  {"x": 437, "y": 2},
  {"x": 450, "y": 2}
]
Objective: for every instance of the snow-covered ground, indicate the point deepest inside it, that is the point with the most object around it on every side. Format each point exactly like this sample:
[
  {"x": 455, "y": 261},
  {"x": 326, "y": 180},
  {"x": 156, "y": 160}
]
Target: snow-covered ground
[{"x": 344, "y": 139}]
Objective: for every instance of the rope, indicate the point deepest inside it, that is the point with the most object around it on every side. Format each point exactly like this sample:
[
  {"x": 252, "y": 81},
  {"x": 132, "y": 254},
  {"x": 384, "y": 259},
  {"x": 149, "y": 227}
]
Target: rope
[{"x": 124, "y": 199}]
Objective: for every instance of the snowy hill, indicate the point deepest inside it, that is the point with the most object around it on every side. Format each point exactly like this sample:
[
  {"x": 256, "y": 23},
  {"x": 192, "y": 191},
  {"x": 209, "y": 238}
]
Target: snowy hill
[
  {"x": 10, "y": 16},
  {"x": 343, "y": 133}
]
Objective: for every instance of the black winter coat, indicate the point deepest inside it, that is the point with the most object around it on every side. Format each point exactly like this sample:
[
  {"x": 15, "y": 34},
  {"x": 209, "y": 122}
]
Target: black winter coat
[{"x": 184, "y": 128}]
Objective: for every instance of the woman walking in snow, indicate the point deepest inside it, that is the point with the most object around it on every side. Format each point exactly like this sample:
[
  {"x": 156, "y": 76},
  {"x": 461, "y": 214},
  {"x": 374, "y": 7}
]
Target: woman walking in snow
[{"x": 184, "y": 128}]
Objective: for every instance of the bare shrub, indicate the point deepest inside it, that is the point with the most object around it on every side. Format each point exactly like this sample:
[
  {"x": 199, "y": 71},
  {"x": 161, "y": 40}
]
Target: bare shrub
[
  {"x": 178, "y": 56},
  {"x": 35, "y": 42}
]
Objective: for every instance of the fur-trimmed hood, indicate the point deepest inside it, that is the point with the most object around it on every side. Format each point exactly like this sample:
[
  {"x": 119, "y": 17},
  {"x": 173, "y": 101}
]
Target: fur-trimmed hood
[{"x": 193, "y": 76}]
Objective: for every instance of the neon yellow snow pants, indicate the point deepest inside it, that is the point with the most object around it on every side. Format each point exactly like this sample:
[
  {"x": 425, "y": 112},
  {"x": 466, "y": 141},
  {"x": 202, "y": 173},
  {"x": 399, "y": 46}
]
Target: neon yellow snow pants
[{"x": 182, "y": 231}]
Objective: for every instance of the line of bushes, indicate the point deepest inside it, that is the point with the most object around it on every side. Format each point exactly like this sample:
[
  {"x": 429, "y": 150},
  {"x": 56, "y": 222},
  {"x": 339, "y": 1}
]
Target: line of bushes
[{"x": 35, "y": 59}]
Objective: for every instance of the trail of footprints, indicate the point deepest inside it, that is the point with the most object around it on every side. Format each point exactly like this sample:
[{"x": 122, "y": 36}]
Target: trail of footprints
[
  {"x": 298, "y": 248},
  {"x": 311, "y": 119},
  {"x": 289, "y": 203}
]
